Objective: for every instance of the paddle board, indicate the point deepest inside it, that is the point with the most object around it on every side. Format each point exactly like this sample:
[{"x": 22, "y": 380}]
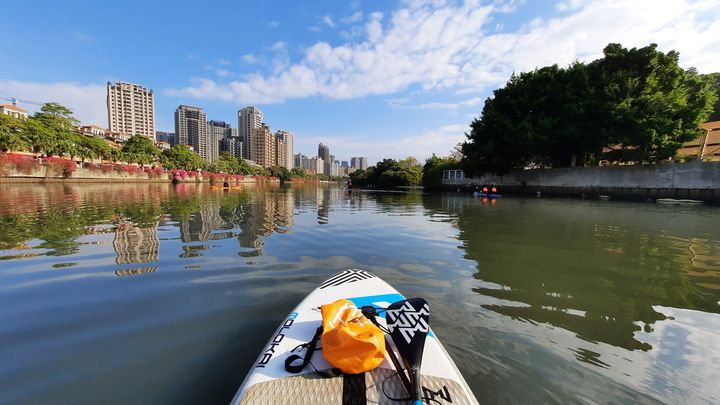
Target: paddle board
[
  {"x": 490, "y": 195},
  {"x": 269, "y": 383}
]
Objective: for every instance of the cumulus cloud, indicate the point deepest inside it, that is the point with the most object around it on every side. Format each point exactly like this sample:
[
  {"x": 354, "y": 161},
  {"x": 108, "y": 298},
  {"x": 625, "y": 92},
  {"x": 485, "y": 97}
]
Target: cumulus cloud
[
  {"x": 352, "y": 19},
  {"x": 327, "y": 20},
  {"x": 87, "y": 100},
  {"x": 403, "y": 103},
  {"x": 439, "y": 45}
]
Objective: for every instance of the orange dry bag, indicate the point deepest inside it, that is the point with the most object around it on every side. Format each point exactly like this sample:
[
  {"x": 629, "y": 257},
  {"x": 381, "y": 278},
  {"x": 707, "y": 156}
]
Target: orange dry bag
[{"x": 350, "y": 341}]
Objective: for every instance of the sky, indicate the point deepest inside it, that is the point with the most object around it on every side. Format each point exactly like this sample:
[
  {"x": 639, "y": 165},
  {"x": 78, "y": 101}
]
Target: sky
[{"x": 367, "y": 78}]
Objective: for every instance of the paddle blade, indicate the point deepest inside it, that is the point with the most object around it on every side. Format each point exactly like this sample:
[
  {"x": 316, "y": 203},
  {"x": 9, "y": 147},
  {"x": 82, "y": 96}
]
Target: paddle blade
[{"x": 408, "y": 322}]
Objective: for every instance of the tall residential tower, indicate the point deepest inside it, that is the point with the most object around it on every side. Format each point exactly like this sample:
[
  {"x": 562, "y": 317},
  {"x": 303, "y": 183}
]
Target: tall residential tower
[
  {"x": 288, "y": 139},
  {"x": 191, "y": 128},
  {"x": 131, "y": 109},
  {"x": 249, "y": 118}
]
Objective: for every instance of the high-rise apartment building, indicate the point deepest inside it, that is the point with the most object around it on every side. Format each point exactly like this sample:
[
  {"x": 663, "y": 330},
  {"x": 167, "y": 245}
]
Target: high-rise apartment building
[
  {"x": 298, "y": 160},
  {"x": 233, "y": 145},
  {"x": 218, "y": 131},
  {"x": 162, "y": 136},
  {"x": 191, "y": 128},
  {"x": 131, "y": 109},
  {"x": 249, "y": 118},
  {"x": 324, "y": 152},
  {"x": 280, "y": 157},
  {"x": 262, "y": 146},
  {"x": 313, "y": 166},
  {"x": 359, "y": 163},
  {"x": 288, "y": 138}
]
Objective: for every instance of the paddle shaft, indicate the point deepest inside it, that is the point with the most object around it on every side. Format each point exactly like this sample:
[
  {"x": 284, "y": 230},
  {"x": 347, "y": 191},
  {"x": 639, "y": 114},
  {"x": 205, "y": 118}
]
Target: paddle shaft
[{"x": 414, "y": 370}]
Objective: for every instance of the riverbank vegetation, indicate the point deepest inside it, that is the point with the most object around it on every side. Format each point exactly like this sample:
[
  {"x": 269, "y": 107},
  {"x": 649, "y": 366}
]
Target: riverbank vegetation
[{"x": 632, "y": 105}]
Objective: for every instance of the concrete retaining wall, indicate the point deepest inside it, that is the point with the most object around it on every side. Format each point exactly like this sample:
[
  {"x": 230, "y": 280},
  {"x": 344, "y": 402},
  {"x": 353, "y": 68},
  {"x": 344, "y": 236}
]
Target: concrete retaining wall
[{"x": 696, "y": 180}]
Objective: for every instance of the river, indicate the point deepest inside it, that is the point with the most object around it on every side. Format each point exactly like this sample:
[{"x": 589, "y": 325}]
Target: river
[{"x": 153, "y": 293}]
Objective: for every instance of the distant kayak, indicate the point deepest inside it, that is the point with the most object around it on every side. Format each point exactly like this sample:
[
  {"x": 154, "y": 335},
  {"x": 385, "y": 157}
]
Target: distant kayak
[
  {"x": 226, "y": 188},
  {"x": 489, "y": 195},
  {"x": 268, "y": 382}
]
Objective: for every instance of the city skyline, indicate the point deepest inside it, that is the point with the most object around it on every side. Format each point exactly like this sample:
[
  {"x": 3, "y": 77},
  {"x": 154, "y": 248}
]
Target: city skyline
[{"x": 391, "y": 79}]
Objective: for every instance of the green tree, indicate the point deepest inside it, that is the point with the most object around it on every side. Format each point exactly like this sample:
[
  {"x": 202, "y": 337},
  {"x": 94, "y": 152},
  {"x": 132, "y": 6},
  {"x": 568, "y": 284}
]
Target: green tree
[
  {"x": 433, "y": 168},
  {"x": 554, "y": 117},
  {"x": 713, "y": 80},
  {"x": 140, "y": 149},
  {"x": 298, "y": 172},
  {"x": 652, "y": 105},
  {"x": 280, "y": 172},
  {"x": 181, "y": 157},
  {"x": 12, "y": 134}
]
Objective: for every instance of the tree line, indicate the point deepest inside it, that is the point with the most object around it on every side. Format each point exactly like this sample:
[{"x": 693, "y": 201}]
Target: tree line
[
  {"x": 632, "y": 105},
  {"x": 52, "y": 132}
]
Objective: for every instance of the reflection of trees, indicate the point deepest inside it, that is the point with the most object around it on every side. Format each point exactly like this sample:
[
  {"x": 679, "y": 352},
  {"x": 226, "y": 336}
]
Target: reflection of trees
[
  {"x": 596, "y": 272},
  {"x": 63, "y": 213}
]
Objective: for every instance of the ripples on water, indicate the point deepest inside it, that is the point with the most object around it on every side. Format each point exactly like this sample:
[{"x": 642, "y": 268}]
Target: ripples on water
[{"x": 162, "y": 294}]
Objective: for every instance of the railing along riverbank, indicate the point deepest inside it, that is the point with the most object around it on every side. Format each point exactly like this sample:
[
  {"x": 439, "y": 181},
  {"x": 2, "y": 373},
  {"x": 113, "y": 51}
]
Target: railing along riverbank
[{"x": 695, "y": 180}]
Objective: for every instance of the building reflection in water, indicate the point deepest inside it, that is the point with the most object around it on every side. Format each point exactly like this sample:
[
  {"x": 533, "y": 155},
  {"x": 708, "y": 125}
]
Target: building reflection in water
[{"x": 133, "y": 244}]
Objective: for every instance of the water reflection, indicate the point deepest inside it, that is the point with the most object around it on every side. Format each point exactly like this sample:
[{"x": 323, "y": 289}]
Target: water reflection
[{"x": 559, "y": 299}]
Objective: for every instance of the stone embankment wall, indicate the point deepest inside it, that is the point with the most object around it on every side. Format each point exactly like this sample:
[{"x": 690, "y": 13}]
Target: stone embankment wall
[{"x": 696, "y": 180}]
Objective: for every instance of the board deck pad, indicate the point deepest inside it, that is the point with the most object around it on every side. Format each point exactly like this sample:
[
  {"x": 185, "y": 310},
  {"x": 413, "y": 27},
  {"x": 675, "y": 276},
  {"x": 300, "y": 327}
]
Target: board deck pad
[{"x": 269, "y": 383}]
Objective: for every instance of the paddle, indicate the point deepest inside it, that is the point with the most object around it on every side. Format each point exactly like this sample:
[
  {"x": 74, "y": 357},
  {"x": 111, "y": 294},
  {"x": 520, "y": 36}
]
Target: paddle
[{"x": 408, "y": 322}]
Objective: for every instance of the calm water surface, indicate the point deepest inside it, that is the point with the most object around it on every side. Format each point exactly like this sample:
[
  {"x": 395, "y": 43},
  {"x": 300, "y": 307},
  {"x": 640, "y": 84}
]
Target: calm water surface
[{"x": 161, "y": 294}]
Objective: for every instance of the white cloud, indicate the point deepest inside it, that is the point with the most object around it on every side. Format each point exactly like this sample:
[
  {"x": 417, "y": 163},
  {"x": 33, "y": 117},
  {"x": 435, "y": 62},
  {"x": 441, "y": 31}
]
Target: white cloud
[
  {"x": 224, "y": 62},
  {"x": 273, "y": 24},
  {"x": 569, "y": 5},
  {"x": 314, "y": 28},
  {"x": 222, "y": 72},
  {"x": 440, "y": 141},
  {"x": 327, "y": 20},
  {"x": 250, "y": 58},
  {"x": 402, "y": 103},
  {"x": 436, "y": 45},
  {"x": 86, "y": 100},
  {"x": 352, "y": 19}
]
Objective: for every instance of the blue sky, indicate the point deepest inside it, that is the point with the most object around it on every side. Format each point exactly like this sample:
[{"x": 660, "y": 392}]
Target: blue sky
[{"x": 368, "y": 78}]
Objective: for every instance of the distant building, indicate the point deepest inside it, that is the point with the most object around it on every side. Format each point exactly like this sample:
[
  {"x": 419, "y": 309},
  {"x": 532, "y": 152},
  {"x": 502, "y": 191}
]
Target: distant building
[
  {"x": 280, "y": 157},
  {"x": 131, "y": 109},
  {"x": 299, "y": 159},
  {"x": 116, "y": 136},
  {"x": 233, "y": 145},
  {"x": 288, "y": 138},
  {"x": 331, "y": 168},
  {"x": 249, "y": 118},
  {"x": 94, "y": 131},
  {"x": 169, "y": 137},
  {"x": 191, "y": 128},
  {"x": 313, "y": 165},
  {"x": 262, "y": 146},
  {"x": 162, "y": 145},
  {"x": 359, "y": 163},
  {"x": 706, "y": 147},
  {"x": 324, "y": 152},
  {"x": 13, "y": 110},
  {"x": 218, "y": 131},
  {"x": 345, "y": 164}
]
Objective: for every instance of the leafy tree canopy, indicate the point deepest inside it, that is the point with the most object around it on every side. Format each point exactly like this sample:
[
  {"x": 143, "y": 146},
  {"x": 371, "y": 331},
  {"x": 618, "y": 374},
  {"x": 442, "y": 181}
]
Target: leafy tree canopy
[
  {"x": 181, "y": 157},
  {"x": 639, "y": 99}
]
